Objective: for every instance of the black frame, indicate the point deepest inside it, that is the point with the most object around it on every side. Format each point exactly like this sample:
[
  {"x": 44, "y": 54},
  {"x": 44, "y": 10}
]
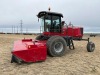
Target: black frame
[{"x": 52, "y": 28}]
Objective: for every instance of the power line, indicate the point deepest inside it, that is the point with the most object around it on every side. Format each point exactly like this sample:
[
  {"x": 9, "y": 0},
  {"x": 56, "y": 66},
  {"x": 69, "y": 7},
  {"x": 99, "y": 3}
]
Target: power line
[{"x": 21, "y": 27}]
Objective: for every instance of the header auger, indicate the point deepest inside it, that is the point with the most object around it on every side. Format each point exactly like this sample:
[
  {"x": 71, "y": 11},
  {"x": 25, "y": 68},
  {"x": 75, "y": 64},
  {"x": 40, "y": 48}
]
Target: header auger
[{"x": 55, "y": 39}]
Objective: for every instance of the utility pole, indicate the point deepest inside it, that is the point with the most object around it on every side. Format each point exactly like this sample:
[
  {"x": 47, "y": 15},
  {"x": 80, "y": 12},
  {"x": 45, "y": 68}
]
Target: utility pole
[
  {"x": 21, "y": 30},
  {"x": 12, "y": 29},
  {"x": 2, "y": 30},
  {"x": 17, "y": 29},
  {"x": 26, "y": 30}
]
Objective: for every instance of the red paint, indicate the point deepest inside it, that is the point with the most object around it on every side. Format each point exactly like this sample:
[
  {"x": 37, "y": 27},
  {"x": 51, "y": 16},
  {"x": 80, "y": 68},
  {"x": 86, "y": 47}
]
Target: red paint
[
  {"x": 30, "y": 51},
  {"x": 67, "y": 31}
]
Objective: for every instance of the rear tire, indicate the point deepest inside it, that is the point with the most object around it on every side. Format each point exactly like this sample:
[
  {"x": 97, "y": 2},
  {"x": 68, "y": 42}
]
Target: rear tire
[
  {"x": 90, "y": 47},
  {"x": 42, "y": 37},
  {"x": 39, "y": 37},
  {"x": 56, "y": 46}
]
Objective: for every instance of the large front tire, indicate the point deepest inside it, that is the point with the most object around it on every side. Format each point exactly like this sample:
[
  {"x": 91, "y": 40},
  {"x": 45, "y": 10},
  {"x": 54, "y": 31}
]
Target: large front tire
[{"x": 56, "y": 46}]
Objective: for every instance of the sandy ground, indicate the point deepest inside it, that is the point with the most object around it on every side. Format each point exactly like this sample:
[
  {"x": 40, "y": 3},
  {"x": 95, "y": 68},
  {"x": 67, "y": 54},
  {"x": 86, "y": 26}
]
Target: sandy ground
[{"x": 74, "y": 62}]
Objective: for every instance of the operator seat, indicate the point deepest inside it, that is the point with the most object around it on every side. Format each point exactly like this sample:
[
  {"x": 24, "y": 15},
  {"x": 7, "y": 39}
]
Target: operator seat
[{"x": 55, "y": 26}]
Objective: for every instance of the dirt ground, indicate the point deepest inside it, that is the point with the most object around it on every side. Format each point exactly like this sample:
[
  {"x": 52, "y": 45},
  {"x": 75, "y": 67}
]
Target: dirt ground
[{"x": 74, "y": 62}]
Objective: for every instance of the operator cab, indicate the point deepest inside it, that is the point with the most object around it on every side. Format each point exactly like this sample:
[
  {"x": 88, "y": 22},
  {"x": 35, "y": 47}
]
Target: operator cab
[{"x": 51, "y": 21}]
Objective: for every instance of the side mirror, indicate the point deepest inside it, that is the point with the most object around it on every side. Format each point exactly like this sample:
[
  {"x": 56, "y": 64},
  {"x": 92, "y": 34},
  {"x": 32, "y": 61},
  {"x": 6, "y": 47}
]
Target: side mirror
[{"x": 63, "y": 22}]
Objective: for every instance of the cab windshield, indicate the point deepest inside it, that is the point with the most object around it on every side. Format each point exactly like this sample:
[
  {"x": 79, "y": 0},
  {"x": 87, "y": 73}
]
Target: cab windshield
[{"x": 51, "y": 23}]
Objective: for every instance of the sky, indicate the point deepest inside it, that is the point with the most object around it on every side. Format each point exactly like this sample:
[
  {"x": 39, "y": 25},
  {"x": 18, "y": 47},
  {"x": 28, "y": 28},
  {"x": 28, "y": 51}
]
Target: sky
[{"x": 84, "y": 13}]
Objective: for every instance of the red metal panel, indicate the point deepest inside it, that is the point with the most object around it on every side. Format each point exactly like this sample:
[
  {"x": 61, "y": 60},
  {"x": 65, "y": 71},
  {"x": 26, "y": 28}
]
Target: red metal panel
[
  {"x": 30, "y": 51},
  {"x": 67, "y": 31}
]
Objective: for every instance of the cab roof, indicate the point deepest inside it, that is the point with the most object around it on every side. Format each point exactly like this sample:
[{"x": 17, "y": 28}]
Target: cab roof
[{"x": 42, "y": 13}]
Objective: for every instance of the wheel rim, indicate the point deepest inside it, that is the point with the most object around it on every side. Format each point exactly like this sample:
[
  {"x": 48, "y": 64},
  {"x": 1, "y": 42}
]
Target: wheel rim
[
  {"x": 92, "y": 47},
  {"x": 58, "y": 47}
]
